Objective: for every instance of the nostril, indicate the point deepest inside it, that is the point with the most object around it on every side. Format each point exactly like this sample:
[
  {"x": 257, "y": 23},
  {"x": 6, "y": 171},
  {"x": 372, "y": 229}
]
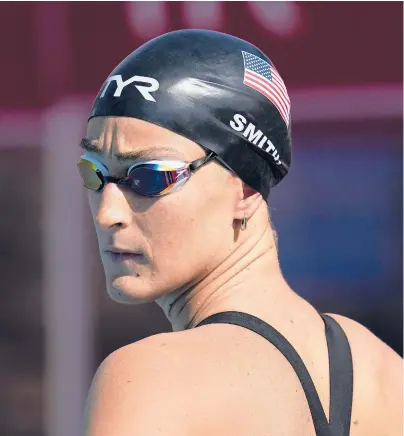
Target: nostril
[{"x": 109, "y": 224}]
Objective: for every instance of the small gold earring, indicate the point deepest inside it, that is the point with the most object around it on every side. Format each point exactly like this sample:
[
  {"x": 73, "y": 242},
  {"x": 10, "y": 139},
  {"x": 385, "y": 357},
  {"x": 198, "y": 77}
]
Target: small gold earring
[{"x": 243, "y": 223}]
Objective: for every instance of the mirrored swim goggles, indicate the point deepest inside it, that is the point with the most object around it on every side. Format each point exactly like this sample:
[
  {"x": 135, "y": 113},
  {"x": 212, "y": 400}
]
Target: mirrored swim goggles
[{"x": 152, "y": 178}]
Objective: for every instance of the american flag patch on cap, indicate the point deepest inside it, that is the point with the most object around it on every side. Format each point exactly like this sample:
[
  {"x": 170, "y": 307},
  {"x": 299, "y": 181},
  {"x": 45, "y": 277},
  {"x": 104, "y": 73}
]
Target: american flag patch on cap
[{"x": 264, "y": 78}]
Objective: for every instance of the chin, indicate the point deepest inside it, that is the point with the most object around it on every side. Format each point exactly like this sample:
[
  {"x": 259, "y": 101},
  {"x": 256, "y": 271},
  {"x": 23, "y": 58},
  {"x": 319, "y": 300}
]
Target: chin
[{"x": 130, "y": 290}]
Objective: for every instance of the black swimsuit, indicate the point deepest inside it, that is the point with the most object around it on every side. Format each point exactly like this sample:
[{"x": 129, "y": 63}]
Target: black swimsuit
[{"x": 340, "y": 361}]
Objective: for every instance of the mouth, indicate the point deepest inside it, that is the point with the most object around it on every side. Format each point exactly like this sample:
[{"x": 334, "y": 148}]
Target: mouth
[{"x": 121, "y": 255}]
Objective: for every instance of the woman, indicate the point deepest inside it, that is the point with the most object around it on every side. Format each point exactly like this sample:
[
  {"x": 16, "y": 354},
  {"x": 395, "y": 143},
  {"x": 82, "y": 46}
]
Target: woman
[{"x": 185, "y": 140}]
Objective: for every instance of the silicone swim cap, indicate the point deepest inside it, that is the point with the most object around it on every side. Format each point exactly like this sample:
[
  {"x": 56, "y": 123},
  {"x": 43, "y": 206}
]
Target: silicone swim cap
[{"x": 214, "y": 89}]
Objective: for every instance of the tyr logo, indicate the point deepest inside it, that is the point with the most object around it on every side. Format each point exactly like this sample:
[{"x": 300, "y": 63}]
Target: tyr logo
[{"x": 153, "y": 85}]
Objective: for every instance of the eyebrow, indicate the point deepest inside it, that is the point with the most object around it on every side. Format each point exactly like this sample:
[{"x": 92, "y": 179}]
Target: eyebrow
[{"x": 148, "y": 154}]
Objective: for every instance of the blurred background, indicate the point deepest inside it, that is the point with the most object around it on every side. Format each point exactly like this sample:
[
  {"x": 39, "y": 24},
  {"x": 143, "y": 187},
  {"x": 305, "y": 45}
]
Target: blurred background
[{"x": 338, "y": 213}]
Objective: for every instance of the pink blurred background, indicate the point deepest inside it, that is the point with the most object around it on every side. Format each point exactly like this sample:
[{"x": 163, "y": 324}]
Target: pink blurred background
[{"x": 338, "y": 213}]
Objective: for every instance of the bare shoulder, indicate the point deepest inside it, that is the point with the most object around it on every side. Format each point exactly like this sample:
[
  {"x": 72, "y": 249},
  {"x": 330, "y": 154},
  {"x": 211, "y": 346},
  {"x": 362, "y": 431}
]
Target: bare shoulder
[
  {"x": 378, "y": 376},
  {"x": 366, "y": 342},
  {"x": 136, "y": 390}
]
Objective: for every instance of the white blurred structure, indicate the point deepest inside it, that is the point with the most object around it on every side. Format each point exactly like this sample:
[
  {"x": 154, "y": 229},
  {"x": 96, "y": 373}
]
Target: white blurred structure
[{"x": 67, "y": 298}]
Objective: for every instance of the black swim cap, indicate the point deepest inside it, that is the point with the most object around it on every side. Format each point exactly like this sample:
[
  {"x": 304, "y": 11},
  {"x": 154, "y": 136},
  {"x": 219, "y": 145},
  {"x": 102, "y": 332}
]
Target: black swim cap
[{"x": 215, "y": 89}]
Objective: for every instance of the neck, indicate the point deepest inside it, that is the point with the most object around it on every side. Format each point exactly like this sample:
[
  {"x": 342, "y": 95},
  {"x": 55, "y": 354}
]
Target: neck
[{"x": 248, "y": 280}]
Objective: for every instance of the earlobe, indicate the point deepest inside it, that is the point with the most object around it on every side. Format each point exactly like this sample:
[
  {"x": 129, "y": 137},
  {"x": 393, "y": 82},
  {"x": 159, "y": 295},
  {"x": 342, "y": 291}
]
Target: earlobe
[{"x": 247, "y": 205}]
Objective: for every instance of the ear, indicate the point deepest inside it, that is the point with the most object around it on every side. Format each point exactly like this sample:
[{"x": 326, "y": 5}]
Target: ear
[{"x": 248, "y": 203}]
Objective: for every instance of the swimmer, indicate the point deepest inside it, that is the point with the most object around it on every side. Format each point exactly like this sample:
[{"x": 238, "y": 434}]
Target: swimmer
[{"x": 186, "y": 139}]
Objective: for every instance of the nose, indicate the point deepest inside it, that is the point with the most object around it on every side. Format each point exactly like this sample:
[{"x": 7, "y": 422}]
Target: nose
[{"x": 113, "y": 211}]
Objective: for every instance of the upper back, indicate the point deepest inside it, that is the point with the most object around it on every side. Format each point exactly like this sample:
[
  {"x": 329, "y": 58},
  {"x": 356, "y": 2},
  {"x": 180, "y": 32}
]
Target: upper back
[
  {"x": 246, "y": 386},
  {"x": 224, "y": 379}
]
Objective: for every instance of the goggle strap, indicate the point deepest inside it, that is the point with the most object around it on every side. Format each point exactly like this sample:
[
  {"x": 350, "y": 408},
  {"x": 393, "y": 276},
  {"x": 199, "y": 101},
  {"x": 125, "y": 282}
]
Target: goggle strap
[{"x": 198, "y": 163}]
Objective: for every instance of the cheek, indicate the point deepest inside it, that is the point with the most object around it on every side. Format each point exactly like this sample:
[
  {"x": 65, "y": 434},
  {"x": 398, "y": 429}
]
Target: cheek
[
  {"x": 186, "y": 234},
  {"x": 165, "y": 226}
]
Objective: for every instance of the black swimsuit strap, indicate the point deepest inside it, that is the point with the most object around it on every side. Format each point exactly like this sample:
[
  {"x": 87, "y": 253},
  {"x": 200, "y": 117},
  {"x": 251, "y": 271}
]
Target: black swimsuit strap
[
  {"x": 282, "y": 344},
  {"x": 341, "y": 377}
]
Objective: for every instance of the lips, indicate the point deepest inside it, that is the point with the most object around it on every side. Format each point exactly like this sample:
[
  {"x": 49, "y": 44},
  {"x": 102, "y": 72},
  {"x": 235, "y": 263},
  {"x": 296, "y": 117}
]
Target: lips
[
  {"x": 121, "y": 257},
  {"x": 118, "y": 254}
]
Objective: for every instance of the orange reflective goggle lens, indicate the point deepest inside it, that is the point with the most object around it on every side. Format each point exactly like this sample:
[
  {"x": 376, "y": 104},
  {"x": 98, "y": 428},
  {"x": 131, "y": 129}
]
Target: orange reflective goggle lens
[{"x": 91, "y": 174}]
